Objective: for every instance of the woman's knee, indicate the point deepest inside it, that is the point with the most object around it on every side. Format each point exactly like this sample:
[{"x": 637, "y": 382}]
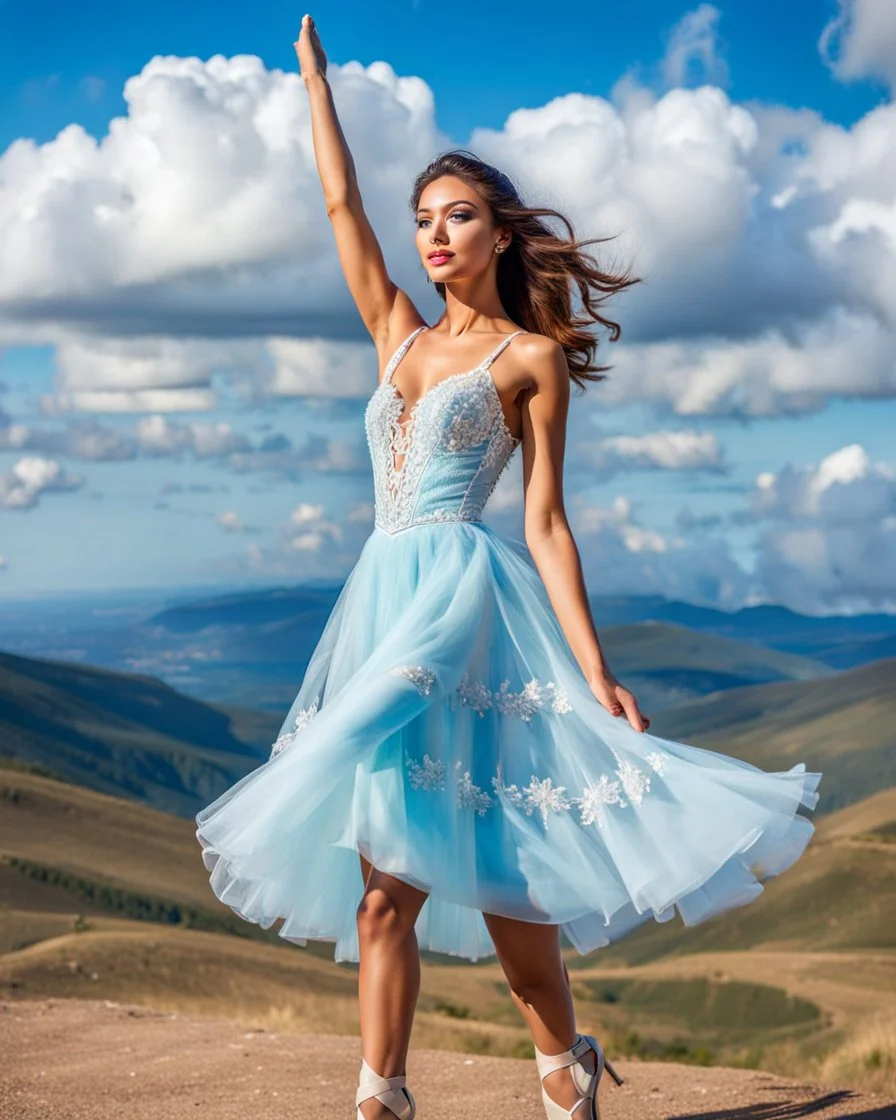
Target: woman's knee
[
  {"x": 381, "y": 915},
  {"x": 533, "y": 987}
]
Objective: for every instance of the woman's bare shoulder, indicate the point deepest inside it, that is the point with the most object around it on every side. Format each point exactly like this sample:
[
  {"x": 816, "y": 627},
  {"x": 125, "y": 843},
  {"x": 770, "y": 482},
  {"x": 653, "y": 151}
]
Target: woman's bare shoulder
[{"x": 544, "y": 359}]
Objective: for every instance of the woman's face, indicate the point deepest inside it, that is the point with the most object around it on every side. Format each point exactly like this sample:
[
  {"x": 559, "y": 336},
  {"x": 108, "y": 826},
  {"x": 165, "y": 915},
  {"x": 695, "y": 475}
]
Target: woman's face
[{"x": 454, "y": 219}]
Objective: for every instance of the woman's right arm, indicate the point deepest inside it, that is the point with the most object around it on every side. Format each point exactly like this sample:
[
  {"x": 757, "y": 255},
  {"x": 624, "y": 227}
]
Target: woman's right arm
[{"x": 360, "y": 255}]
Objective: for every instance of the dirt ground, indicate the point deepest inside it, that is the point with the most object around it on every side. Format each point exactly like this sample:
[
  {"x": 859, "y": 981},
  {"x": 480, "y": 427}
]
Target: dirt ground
[{"x": 95, "y": 1060}]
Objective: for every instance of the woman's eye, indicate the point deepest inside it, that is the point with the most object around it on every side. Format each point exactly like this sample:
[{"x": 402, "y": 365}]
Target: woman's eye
[{"x": 463, "y": 214}]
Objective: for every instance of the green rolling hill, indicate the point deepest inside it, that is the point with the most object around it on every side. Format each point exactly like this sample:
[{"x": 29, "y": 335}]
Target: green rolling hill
[
  {"x": 843, "y": 725},
  {"x": 667, "y": 665},
  {"x": 840, "y": 895},
  {"x": 124, "y": 733}
]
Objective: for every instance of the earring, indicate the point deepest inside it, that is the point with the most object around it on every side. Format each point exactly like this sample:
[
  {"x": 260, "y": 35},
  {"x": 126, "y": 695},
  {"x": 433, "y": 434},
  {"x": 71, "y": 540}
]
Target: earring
[{"x": 500, "y": 248}]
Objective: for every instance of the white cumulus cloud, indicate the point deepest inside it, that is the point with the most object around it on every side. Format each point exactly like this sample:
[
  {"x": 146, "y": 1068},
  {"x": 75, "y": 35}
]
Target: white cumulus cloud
[
  {"x": 231, "y": 521},
  {"x": 622, "y": 556},
  {"x": 693, "y": 51},
  {"x": 830, "y": 544},
  {"x": 682, "y": 450},
  {"x": 190, "y": 242},
  {"x": 860, "y": 40},
  {"x": 31, "y": 477}
]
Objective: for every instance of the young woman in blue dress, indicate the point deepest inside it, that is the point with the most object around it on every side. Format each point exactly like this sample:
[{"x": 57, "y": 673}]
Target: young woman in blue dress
[{"x": 501, "y": 273}]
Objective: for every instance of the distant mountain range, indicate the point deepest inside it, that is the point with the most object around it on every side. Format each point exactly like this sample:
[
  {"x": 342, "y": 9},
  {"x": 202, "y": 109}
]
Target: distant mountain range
[
  {"x": 251, "y": 649},
  {"x": 840, "y": 641}
]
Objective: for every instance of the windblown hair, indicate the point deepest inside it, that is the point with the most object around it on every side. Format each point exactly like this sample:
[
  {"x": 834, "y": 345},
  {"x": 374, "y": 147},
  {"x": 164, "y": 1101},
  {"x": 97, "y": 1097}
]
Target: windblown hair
[{"x": 538, "y": 270}]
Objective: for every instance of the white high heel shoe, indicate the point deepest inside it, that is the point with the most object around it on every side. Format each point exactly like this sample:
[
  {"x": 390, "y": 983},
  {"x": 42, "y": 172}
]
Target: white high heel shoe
[
  {"x": 586, "y": 1081},
  {"x": 392, "y": 1092}
]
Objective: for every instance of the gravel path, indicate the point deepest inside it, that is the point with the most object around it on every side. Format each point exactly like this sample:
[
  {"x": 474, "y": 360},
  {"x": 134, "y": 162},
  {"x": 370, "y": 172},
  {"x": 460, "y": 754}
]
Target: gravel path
[{"x": 95, "y": 1060}]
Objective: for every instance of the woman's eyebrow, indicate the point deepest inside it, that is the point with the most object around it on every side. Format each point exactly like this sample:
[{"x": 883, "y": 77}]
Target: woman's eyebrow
[{"x": 426, "y": 210}]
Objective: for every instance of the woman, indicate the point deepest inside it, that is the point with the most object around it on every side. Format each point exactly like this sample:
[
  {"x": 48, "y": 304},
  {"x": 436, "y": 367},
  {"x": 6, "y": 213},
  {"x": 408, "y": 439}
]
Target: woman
[{"x": 456, "y": 772}]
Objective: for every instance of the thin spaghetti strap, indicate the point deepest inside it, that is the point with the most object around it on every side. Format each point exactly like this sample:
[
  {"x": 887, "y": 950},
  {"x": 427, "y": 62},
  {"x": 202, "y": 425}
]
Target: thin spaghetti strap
[
  {"x": 400, "y": 352},
  {"x": 497, "y": 350}
]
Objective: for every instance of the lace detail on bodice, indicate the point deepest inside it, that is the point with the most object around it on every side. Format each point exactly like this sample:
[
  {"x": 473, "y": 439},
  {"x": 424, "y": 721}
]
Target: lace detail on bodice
[{"x": 444, "y": 460}]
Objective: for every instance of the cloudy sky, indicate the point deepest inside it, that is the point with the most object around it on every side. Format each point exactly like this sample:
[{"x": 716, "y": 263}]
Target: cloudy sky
[{"x": 183, "y": 373}]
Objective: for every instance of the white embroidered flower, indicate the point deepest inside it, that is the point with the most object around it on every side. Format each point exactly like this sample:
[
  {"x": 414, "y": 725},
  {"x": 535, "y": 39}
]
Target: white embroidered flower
[
  {"x": 469, "y": 795},
  {"x": 301, "y": 721},
  {"x": 657, "y": 761},
  {"x": 634, "y": 781},
  {"x": 511, "y": 793},
  {"x": 431, "y": 775},
  {"x": 305, "y": 716},
  {"x": 544, "y": 796},
  {"x": 422, "y": 679},
  {"x": 523, "y": 705},
  {"x": 532, "y": 698},
  {"x": 595, "y": 799},
  {"x": 474, "y": 694},
  {"x": 559, "y": 700},
  {"x": 540, "y": 795}
]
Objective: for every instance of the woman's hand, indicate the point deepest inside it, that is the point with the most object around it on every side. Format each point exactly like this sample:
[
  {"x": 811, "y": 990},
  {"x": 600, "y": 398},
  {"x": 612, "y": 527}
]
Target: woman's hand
[
  {"x": 312, "y": 57},
  {"x": 618, "y": 700}
]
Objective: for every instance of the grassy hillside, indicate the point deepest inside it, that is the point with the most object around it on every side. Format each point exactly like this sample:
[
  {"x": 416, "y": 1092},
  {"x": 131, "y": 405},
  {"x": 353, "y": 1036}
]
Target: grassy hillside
[
  {"x": 132, "y": 735},
  {"x": 668, "y": 664},
  {"x": 844, "y": 725},
  {"x": 121, "y": 733},
  {"x": 783, "y": 984},
  {"x": 66, "y": 850},
  {"x": 101, "y": 837},
  {"x": 841, "y": 895}
]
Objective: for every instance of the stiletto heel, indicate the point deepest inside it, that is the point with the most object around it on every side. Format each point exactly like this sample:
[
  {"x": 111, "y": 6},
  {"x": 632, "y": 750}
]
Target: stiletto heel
[
  {"x": 586, "y": 1081},
  {"x": 608, "y": 1066},
  {"x": 391, "y": 1092}
]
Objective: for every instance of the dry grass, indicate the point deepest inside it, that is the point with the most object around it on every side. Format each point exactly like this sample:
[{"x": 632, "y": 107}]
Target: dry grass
[
  {"x": 281, "y": 988},
  {"x": 866, "y": 1060}
]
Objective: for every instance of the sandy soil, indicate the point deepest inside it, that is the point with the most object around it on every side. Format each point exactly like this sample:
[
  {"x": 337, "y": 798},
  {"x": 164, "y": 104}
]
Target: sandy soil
[{"x": 95, "y": 1060}]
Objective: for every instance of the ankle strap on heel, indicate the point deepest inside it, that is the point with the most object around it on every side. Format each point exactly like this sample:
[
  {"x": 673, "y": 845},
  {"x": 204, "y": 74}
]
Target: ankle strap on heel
[
  {"x": 380, "y": 1085},
  {"x": 392, "y": 1092},
  {"x": 549, "y": 1063}
]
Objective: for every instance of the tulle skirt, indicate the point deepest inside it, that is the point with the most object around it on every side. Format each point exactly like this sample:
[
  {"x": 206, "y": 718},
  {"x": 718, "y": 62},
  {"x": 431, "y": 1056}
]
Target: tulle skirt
[{"x": 444, "y": 730}]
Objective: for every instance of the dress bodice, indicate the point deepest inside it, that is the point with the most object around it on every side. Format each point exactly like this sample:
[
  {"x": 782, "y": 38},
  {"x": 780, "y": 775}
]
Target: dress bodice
[{"x": 443, "y": 462}]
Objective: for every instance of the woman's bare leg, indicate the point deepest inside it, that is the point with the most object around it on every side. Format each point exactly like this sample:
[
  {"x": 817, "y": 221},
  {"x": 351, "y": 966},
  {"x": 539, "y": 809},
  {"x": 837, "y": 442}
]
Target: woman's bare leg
[
  {"x": 539, "y": 985},
  {"x": 389, "y": 975}
]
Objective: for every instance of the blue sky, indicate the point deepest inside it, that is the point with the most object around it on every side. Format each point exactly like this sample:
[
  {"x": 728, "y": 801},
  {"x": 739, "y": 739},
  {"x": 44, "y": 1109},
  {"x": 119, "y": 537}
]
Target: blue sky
[
  {"x": 170, "y": 515},
  {"x": 480, "y": 64}
]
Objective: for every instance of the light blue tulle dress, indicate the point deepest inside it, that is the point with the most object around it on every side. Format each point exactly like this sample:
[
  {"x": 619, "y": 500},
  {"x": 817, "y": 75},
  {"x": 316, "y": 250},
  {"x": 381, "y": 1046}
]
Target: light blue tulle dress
[{"x": 444, "y": 729}]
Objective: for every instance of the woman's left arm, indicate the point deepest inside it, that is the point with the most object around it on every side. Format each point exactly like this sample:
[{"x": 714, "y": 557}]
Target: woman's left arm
[{"x": 548, "y": 536}]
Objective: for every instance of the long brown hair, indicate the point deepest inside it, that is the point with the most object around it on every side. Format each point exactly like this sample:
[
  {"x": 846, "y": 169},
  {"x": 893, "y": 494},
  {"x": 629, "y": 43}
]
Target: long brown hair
[{"x": 538, "y": 269}]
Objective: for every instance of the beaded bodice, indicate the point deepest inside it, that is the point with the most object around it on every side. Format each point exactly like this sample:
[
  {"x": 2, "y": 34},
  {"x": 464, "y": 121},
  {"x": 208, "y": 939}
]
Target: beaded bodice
[{"x": 443, "y": 461}]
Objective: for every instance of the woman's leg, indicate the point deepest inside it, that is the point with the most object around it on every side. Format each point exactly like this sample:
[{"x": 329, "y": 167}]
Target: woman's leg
[
  {"x": 539, "y": 985},
  {"x": 389, "y": 975}
]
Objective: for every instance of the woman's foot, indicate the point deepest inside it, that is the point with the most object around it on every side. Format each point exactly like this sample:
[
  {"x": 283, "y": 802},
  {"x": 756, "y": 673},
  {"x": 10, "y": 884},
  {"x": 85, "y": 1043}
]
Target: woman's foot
[
  {"x": 570, "y": 1080},
  {"x": 373, "y": 1110},
  {"x": 562, "y": 1089},
  {"x": 383, "y": 1098}
]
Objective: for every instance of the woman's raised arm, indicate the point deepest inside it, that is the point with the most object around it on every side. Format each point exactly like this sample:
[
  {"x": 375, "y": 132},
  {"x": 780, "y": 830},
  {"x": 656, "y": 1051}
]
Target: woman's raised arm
[{"x": 359, "y": 251}]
